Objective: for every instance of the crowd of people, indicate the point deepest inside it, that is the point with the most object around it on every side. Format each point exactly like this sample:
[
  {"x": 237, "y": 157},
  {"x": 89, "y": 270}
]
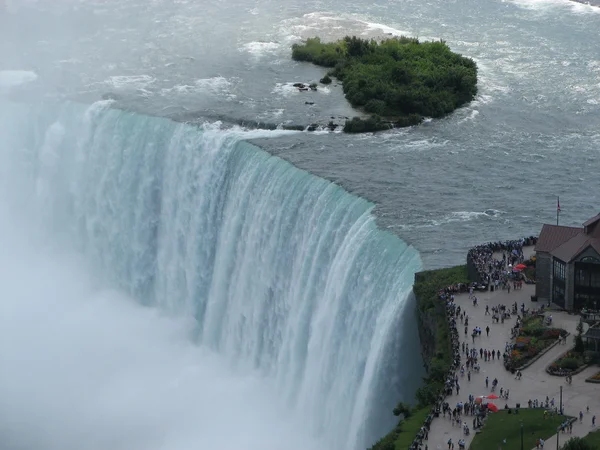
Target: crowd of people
[
  {"x": 472, "y": 407},
  {"x": 488, "y": 270}
]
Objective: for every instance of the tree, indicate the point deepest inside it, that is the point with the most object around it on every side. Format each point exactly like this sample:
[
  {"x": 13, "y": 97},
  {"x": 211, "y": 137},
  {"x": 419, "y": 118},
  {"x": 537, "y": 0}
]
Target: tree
[
  {"x": 579, "y": 347},
  {"x": 578, "y": 443},
  {"x": 404, "y": 409}
]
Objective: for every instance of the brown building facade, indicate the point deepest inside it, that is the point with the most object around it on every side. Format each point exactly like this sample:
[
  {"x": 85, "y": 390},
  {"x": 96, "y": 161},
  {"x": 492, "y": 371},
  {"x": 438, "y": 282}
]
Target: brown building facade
[{"x": 568, "y": 265}]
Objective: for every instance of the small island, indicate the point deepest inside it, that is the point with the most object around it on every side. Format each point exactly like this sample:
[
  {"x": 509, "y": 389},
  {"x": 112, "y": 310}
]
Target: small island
[{"x": 399, "y": 81}]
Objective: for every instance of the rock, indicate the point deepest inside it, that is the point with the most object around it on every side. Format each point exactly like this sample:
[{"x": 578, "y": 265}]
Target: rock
[
  {"x": 298, "y": 85},
  {"x": 309, "y": 103},
  {"x": 312, "y": 127}
]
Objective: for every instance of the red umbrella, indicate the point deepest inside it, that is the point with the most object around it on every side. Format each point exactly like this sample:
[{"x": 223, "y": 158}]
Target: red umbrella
[
  {"x": 492, "y": 396},
  {"x": 520, "y": 266},
  {"x": 492, "y": 407}
]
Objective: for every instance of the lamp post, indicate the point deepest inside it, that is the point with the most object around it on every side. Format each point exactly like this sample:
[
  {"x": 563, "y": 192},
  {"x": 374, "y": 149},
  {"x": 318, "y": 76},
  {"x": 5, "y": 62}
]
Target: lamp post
[
  {"x": 560, "y": 411},
  {"x": 522, "y": 435}
]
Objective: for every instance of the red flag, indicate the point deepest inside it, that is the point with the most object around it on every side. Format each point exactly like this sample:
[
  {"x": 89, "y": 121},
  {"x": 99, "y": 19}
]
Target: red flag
[{"x": 558, "y": 204}]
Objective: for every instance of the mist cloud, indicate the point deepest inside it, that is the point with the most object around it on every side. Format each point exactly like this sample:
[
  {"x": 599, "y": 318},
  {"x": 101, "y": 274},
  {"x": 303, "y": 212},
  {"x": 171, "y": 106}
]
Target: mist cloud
[{"x": 83, "y": 367}]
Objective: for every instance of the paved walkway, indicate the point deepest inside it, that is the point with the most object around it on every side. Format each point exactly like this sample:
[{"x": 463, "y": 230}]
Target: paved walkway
[{"x": 535, "y": 383}]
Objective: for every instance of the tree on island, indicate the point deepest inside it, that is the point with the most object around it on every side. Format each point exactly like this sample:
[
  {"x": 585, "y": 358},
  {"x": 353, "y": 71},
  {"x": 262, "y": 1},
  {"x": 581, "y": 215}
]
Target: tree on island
[{"x": 400, "y": 78}]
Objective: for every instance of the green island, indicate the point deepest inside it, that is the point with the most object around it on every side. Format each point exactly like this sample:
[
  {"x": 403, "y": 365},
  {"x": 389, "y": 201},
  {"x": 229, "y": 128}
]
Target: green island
[
  {"x": 437, "y": 352},
  {"x": 399, "y": 81}
]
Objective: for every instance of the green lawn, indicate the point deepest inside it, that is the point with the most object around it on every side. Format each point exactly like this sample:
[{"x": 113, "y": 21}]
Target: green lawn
[
  {"x": 593, "y": 438},
  {"x": 408, "y": 429},
  {"x": 502, "y": 426}
]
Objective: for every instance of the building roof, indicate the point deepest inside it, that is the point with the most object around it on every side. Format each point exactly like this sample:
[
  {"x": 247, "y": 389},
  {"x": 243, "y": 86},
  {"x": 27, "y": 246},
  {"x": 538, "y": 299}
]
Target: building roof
[
  {"x": 566, "y": 243},
  {"x": 574, "y": 246},
  {"x": 553, "y": 236},
  {"x": 591, "y": 221}
]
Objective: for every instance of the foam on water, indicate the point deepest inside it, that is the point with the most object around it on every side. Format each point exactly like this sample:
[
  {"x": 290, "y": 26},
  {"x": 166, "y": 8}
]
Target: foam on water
[
  {"x": 549, "y": 5},
  {"x": 129, "y": 81},
  {"x": 260, "y": 49}
]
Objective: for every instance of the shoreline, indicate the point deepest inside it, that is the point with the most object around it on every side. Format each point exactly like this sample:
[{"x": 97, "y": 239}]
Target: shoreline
[{"x": 595, "y": 3}]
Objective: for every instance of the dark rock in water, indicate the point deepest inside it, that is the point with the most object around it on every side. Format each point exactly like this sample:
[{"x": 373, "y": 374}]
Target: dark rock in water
[
  {"x": 332, "y": 126},
  {"x": 298, "y": 85},
  {"x": 312, "y": 127},
  {"x": 293, "y": 127},
  {"x": 309, "y": 103}
]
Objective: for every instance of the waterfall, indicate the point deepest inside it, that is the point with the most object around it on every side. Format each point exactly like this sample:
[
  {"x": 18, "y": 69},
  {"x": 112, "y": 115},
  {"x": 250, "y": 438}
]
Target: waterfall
[{"x": 285, "y": 274}]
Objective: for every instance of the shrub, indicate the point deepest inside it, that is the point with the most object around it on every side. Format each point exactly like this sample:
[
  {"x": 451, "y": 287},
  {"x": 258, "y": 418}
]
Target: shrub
[
  {"x": 404, "y": 409},
  {"x": 577, "y": 443},
  {"x": 325, "y": 80},
  {"x": 358, "y": 125},
  {"x": 375, "y": 106},
  {"x": 569, "y": 363},
  {"x": 553, "y": 333}
]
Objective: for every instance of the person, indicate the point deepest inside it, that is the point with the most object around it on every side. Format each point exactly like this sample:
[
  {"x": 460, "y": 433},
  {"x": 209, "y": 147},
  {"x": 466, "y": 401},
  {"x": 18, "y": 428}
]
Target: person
[
  {"x": 593, "y": 420},
  {"x": 487, "y": 330},
  {"x": 580, "y": 416}
]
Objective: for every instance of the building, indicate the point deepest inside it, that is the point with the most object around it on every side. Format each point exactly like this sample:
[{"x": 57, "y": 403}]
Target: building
[{"x": 568, "y": 265}]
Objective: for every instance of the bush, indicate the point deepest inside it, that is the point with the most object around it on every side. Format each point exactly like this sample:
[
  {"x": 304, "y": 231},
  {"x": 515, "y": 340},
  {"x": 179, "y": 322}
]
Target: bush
[
  {"x": 578, "y": 443},
  {"x": 358, "y": 125},
  {"x": 404, "y": 409},
  {"x": 375, "y": 106},
  {"x": 551, "y": 334},
  {"x": 325, "y": 80},
  {"x": 569, "y": 363}
]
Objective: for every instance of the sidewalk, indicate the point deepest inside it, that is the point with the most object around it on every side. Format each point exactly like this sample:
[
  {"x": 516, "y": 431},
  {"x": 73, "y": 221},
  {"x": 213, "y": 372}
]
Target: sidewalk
[{"x": 535, "y": 383}]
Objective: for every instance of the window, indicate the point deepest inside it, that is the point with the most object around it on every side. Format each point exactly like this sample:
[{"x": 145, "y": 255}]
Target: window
[
  {"x": 559, "y": 270},
  {"x": 558, "y": 294}
]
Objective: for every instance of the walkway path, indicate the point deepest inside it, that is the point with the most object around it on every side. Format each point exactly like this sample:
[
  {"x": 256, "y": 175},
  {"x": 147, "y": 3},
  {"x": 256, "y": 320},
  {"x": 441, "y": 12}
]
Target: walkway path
[{"x": 535, "y": 383}]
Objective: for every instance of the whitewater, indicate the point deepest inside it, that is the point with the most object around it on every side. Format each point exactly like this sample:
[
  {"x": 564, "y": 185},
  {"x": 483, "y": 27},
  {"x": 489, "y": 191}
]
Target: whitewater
[{"x": 274, "y": 309}]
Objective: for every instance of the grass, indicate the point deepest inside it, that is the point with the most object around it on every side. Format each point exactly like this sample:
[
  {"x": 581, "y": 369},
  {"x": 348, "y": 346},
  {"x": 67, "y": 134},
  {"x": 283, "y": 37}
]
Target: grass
[
  {"x": 402, "y": 436},
  {"x": 408, "y": 429},
  {"x": 593, "y": 438},
  {"x": 502, "y": 426}
]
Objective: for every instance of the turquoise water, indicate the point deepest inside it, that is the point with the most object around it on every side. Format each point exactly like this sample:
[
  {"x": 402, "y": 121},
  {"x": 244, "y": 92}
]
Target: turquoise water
[{"x": 284, "y": 273}]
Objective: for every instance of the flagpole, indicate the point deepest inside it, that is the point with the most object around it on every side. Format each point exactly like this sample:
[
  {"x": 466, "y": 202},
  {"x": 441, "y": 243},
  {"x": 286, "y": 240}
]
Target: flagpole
[{"x": 557, "y": 209}]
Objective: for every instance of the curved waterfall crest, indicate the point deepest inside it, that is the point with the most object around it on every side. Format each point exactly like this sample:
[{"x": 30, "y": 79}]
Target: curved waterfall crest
[{"x": 285, "y": 273}]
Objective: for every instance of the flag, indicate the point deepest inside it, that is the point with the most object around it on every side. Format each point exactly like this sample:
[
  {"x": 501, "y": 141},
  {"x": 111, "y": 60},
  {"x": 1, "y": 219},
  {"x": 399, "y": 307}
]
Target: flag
[{"x": 557, "y": 204}]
